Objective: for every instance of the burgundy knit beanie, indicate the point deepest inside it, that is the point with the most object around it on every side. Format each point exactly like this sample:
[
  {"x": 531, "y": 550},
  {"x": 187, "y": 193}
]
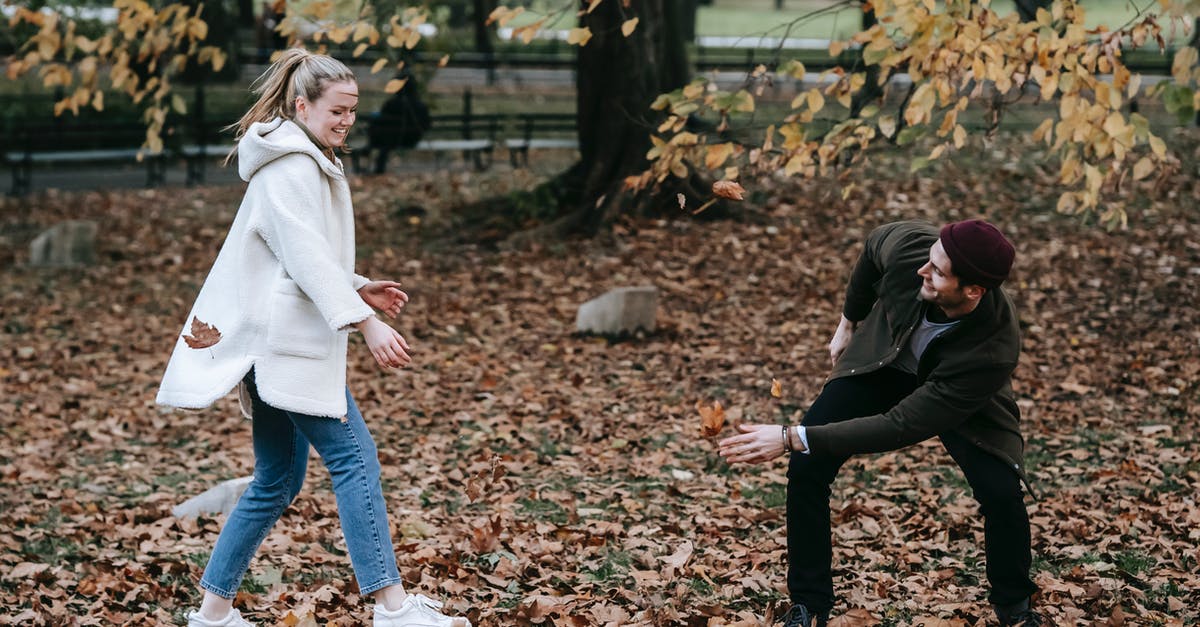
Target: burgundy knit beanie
[{"x": 979, "y": 253}]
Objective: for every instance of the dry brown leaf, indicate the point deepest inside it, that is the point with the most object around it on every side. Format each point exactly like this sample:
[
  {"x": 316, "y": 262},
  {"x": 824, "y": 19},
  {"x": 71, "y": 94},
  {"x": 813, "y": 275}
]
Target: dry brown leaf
[
  {"x": 712, "y": 418},
  {"x": 203, "y": 335},
  {"x": 728, "y": 189},
  {"x": 776, "y": 388}
]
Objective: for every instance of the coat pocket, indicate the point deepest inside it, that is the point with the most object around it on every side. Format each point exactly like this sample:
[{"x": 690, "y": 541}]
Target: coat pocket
[{"x": 296, "y": 326}]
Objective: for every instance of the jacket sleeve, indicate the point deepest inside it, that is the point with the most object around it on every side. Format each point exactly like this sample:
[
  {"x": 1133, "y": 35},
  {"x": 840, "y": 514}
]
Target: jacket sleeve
[
  {"x": 860, "y": 292},
  {"x": 292, "y": 223},
  {"x": 938, "y": 405}
]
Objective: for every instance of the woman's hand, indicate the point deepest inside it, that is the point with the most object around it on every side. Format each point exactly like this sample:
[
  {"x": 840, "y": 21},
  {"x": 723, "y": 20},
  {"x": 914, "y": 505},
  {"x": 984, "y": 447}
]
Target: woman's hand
[
  {"x": 386, "y": 296},
  {"x": 756, "y": 444},
  {"x": 389, "y": 347}
]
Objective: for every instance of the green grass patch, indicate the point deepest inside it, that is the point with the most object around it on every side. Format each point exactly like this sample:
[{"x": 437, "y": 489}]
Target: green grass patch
[
  {"x": 1134, "y": 562},
  {"x": 772, "y": 496},
  {"x": 545, "y": 510},
  {"x": 613, "y": 568}
]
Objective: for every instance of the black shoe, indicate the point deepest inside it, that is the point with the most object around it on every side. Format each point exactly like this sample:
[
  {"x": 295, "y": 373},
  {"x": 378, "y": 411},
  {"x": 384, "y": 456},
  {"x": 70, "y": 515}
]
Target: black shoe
[
  {"x": 799, "y": 616},
  {"x": 1018, "y": 615}
]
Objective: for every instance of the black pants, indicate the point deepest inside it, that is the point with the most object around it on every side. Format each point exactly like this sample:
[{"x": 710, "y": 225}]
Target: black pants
[{"x": 996, "y": 487}]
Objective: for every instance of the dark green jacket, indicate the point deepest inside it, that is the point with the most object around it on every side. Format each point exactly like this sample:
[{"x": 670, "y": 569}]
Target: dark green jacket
[{"x": 964, "y": 375}]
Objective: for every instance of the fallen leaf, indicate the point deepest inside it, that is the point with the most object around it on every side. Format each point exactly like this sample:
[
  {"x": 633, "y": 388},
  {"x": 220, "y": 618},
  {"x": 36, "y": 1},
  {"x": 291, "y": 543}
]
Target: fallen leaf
[
  {"x": 712, "y": 418},
  {"x": 728, "y": 189},
  {"x": 203, "y": 335}
]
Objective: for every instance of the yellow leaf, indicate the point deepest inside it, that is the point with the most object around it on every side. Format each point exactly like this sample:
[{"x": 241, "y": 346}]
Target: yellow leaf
[
  {"x": 960, "y": 136},
  {"x": 339, "y": 35},
  {"x": 1158, "y": 146},
  {"x": 443, "y": 61},
  {"x": 395, "y": 85},
  {"x": 362, "y": 30},
  {"x": 98, "y": 100},
  {"x": 1143, "y": 168},
  {"x": 1181, "y": 68},
  {"x": 937, "y": 151},
  {"x": 815, "y": 100},
  {"x": 776, "y": 388},
  {"x": 579, "y": 36},
  {"x": 378, "y": 65},
  {"x": 359, "y": 49},
  {"x": 1043, "y": 130},
  {"x": 887, "y": 125},
  {"x": 794, "y": 165},
  {"x": 592, "y": 4},
  {"x": 1049, "y": 86},
  {"x": 1114, "y": 125},
  {"x": 716, "y": 156},
  {"x": 628, "y": 26}
]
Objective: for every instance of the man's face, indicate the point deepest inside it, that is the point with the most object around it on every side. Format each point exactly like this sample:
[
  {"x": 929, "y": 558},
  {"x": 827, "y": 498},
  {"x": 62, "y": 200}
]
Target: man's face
[{"x": 940, "y": 286}]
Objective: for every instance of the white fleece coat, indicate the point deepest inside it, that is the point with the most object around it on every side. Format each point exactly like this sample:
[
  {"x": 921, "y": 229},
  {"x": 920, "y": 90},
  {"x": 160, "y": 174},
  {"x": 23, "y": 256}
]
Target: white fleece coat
[{"x": 282, "y": 291}]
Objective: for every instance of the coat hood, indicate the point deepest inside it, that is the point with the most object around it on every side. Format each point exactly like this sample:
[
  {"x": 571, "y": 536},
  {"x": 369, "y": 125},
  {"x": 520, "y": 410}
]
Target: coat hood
[{"x": 265, "y": 142}]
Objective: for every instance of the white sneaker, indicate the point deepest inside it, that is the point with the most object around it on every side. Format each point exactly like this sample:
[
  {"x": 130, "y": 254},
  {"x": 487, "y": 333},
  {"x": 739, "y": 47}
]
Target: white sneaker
[
  {"x": 417, "y": 610},
  {"x": 232, "y": 619}
]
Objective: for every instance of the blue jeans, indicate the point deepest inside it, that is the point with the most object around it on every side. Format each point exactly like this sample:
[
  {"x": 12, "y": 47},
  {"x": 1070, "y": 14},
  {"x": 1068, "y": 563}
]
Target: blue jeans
[{"x": 281, "y": 441}]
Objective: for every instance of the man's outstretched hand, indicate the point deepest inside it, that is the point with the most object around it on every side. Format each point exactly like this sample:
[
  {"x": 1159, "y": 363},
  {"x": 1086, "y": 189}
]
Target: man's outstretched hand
[{"x": 756, "y": 444}]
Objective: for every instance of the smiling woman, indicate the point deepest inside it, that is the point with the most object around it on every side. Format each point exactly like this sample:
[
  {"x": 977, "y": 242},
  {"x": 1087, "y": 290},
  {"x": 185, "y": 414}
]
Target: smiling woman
[{"x": 284, "y": 294}]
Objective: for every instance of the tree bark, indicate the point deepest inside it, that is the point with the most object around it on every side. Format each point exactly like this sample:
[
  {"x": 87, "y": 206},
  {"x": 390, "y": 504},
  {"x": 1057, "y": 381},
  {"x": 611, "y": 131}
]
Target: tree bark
[
  {"x": 617, "y": 79},
  {"x": 483, "y": 36}
]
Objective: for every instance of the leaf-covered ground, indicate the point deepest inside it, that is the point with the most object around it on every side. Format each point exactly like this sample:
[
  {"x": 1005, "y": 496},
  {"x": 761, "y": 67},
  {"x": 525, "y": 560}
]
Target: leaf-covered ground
[{"x": 598, "y": 502}]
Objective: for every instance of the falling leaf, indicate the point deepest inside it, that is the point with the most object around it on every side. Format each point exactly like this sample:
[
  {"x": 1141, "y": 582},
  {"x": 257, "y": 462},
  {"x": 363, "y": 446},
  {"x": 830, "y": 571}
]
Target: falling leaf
[
  {"x": 203, "y": 335},
  {"x": 443, "y": 61},
  {"x": 682, "y": 200},
  {"x": 712, "y": 418},
  {"x": 728, "y": 189},
  {"x": 628, "y": 26},
  {"x": 776, "y": 388},
  {"x": 395, "y": 85}
]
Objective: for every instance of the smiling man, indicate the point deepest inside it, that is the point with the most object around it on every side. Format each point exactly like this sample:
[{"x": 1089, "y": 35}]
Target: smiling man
[{"x": 925, "y": 348}]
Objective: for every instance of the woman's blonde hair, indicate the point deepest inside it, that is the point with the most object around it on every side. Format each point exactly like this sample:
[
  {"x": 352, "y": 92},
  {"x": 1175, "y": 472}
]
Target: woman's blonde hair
[{"x": 297, "y": 72}]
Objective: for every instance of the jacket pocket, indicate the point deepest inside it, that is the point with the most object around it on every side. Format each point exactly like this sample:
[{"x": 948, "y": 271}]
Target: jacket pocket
[{"x": 296, "y": 326}]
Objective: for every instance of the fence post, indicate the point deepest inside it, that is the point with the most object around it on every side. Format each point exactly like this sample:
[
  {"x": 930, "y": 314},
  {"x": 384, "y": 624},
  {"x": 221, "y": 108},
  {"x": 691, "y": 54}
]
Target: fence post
[{"x": 466, "y": 113}]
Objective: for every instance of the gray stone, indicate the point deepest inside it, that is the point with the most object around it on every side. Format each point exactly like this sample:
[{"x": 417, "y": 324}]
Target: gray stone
[
  {"x": 65, "y": 244},
  {"x": 623, "y": 310},
  {"x": 219, "y": 499}
]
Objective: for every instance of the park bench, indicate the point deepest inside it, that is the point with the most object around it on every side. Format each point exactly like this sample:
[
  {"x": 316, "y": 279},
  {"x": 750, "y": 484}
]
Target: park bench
[
  {"x": 472, "y": 135},
  {"x": 542, "y": 131},
  {"x": 67, "y": 141}
]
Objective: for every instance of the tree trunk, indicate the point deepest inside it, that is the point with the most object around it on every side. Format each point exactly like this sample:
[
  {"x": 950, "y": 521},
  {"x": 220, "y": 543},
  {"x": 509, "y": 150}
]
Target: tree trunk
[
  {"x": 617, "y": 79},
  {"x": 483, "y": 36}
]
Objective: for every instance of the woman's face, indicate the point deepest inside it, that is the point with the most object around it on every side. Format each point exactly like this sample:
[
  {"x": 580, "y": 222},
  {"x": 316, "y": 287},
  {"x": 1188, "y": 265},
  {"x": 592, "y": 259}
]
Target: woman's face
[{"x": 331, "y": 115}]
